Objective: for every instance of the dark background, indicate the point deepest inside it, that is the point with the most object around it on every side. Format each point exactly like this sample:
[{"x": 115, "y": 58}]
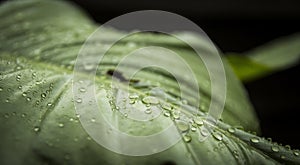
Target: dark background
[{"x": 237, "y": 26}]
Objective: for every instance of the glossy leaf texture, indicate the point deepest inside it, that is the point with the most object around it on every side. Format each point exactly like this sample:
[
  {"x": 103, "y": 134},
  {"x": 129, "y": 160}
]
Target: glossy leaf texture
[{"x": 40, "y": 41}]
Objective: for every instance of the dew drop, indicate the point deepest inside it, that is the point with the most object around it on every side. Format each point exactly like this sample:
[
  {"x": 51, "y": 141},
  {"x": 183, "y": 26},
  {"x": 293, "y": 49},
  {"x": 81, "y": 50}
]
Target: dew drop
[
  {"x": 166, "y": 106},
  {"x": 148, "y": 111},
  {"x": 7, "y": 100},
  {"x": 204, "y": 132},
  {"x": 1, "y": 89},
  {"x": 28, "y": 99},
  {"x": 133, "y": 96},
  {"x": 296, "y": 153},
  {"x": 187, "y": 138},
  {"x": 79, "y": 100},
  {"x": 193, "y": 129},
  {"x": 6, "y": 115},
  {"x": 82, "y": 90},
  {"x": 182, "y": 126},
  {"x": 176, "y": 115},
  {"x": 49, "y": 104},
  {"x": 71, "y": 119},
  {"x": 150, "y": 100},
  {"x": 275, "y": 149},
  {"x": 24, "y": 94},
  {"x": 231, "y": 130},
  {"x": 131, "y": 101},
  {"x": 23, "y": 115},
  {"x": 218, "y": 136},
  {"x": 61, "y": 125},
  {"x": 167, "y": 114},
  {"x": 18, "y": 77},
  {"x": 20, "y": 87},
  {"x": 198, "y": 121},
  {"x": 254, "y": 140},
  {"x": 184, "y": 102},
  {"x": 288, "y": 147},
  {"x": 93, "y": 120},
  {"x": 36, "y": 129},
  {"x": 43, "y": 95}
]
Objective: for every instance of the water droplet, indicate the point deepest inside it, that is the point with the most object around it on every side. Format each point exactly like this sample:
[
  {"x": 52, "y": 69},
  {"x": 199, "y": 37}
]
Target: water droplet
[
  {"x": 134, "y": 96},
  {"x": 71, "y": 119},
  {"x": 218, "y": 136},
  {"x": 184, "y": 102},
  {"x": 148, "y": 111},
  {"x": 1, "y": 89},
  {"x": 79, "y": 100},
  {"x": 296, "y": 153},
  {"x": 204, "y": 132},
  {"x": 60, "y": 125},
  {"x": 18, "y": 77},
  {"x": 182, "y": 126},
  {"x": 43, "y": 95},
  {"x": 150, "y": 100},
  {"x": 198, "y": 121},
  {"x": 288, "y": 147},
  {"x": 93, "y": 120},
  {"x": 6, "y": 115},
  {"x": 282, "y": 157},
  {"x": 28, "y": 98},
  {"x": 254, "y": 140},
  {"x": 23, "y": 115},
  {"x": 20, "y": 87},
  {"x": 82, "y": 90},
  {"x": 231, "y": 130},
  {"x": 193, "y": 129},
  {"x": 131, "y": 101},
  {"x": 187, "y": 138},
  {"x": 275, "y": 149},
  {"x": 24, "y": 94},
  {"x": 176, "y": 115},
  {"x": 33, "y": 75},
  {"x": 167, "y": 114},
  {"x": 36, "y": 129},
  {"x": 49, "y": 104},
  {"x": 7, "y": 100},
  {"x": 166, "y": 106}
]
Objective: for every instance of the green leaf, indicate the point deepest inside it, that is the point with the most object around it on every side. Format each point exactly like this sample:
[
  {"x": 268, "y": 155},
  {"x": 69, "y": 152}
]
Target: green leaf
[
  {"x": 277, "y": 55},
  {"x": 39, "y": 123}
]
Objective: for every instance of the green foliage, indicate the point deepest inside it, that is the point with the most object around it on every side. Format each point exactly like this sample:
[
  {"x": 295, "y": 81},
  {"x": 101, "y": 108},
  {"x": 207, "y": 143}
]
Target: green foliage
[{"x": 40, "y": 41}]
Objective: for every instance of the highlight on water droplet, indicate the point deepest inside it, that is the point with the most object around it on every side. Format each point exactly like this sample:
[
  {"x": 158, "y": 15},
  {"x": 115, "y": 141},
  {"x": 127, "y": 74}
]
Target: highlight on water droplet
[
  {"x": 150, "y": 100},
  {"x": 218, "y": 136},
  {"x": 231, "y": 130},
  {"x": 43, "y": 95},
  {"x": 60, "y": 125},
  {"x": 182, "y": 126},
  {"x": 198, "y": 121},
  {"x": 36, "y": 129},
  {"x": 254, "y": 140},
  {"x": 187, "y": 138},
  {"x": 79, "y": 100},
  {"x": 275, "y": 148}
]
